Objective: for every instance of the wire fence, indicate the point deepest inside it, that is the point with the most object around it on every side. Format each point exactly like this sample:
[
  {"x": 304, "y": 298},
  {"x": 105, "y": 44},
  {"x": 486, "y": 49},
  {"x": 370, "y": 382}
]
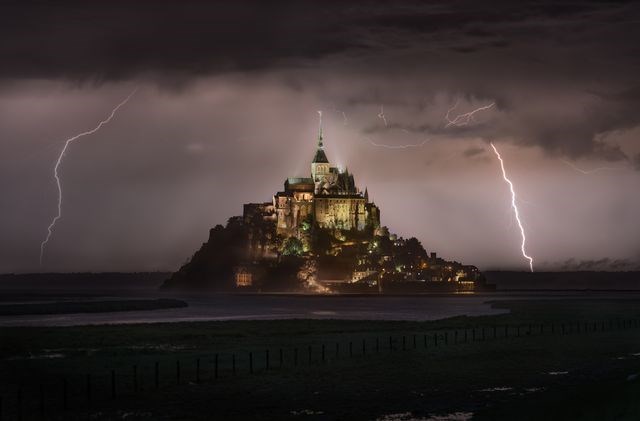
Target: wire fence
[{"x": 42, "y": 398}]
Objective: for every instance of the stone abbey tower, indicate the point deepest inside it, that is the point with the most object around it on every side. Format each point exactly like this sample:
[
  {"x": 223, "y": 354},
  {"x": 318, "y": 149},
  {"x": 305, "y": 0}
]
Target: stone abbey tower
[{"x": 328, "y": 198}]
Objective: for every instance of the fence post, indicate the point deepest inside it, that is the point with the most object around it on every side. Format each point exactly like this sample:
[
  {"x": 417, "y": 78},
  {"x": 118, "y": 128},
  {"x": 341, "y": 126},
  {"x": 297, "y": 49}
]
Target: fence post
[
  {"x": 65, "y": 394},
  {"x": 88, "y": 388},
  {"x": 251, "y": 362},
  {"x": 41, "y": 400},
  {"x": 113, "y": 384},
  {"x": 156, "y": 374},
  {"x": 19, "y": 404}
]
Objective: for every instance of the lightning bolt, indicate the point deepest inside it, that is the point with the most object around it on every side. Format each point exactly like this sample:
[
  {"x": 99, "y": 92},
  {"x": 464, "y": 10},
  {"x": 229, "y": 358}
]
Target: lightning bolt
[
  {"x": 411, "y": 145},
  {"x": 466, "y": 118},
  {"x": 587, "y": 172},
  {"x": 381, "y": 115},
  {"x": 59, "y": 161},
  {"x": 515, "y": 207}
]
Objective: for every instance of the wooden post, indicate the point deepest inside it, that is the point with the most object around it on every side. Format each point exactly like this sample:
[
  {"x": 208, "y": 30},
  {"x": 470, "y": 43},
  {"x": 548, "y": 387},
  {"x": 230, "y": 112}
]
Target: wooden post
[
  {"x": 89, "y": 388},
  {"x": 251, "y": 362},
  {"x": 41, "y": 400},
  {"x": 65, "y": 394},
  {"x": 157, "y": 374},
  {"x": 113, "y": 384},
  {"x": 19, "y": 404}
]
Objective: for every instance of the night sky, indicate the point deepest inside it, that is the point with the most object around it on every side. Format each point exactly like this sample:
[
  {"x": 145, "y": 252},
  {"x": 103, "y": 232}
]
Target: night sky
[{"x": 226, "y": 108}]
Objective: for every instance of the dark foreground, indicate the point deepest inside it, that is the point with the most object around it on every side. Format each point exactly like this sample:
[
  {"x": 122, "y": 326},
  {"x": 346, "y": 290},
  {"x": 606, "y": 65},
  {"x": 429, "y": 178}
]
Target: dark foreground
[{"x": 553, "y": 359}]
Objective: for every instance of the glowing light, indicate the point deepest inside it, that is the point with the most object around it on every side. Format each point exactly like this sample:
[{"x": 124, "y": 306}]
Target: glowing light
[
  {"x": 407, "y": 146},
  {"x": 59, "y": 161},
  {"x": 515, "y": 208},
  {"x": 381, "y": 115},
  {"x": 587, "y": 172},
  {"x": 466, "y": 118}
]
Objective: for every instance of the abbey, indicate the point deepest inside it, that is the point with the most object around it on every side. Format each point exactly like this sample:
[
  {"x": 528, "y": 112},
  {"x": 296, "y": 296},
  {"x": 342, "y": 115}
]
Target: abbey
[{"x": 329, "y": 199}]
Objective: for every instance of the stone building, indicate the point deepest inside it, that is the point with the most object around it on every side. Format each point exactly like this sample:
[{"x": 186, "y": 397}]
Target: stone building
[{"x": 328, "y": 198}]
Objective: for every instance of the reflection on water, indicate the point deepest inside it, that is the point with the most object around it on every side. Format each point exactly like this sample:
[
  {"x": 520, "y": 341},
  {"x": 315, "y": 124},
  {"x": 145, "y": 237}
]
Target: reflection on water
[{"x": 265, "y": 307}]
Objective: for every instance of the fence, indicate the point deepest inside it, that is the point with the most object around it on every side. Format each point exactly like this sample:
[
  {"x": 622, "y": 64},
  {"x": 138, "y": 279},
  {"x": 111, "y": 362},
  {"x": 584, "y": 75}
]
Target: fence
[{"x": 88, "y": 391}]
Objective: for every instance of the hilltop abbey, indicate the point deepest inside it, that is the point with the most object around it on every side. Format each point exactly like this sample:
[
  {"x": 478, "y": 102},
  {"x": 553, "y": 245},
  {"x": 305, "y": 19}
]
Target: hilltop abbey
[
  {"x": 329, "y": 199},
  {"x": 321, "y": 233}
]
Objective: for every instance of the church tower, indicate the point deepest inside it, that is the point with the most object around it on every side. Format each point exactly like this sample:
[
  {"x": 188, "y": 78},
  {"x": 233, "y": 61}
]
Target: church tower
[{"x": 320, "y": 164}]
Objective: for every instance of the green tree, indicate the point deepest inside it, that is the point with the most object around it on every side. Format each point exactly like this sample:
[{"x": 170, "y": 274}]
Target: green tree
[{"x": 292, "y": 247}]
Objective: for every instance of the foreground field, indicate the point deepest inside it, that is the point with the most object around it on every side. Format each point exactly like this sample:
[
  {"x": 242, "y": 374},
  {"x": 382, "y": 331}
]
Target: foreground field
[{"x": 557, "y": 359}]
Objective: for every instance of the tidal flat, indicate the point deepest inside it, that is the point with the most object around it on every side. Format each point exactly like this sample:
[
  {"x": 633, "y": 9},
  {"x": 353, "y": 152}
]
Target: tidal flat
[{"x": 559, "y": 358}]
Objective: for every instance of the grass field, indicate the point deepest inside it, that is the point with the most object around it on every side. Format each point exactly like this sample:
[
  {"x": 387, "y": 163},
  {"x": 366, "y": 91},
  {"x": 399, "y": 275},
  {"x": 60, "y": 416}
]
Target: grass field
[{"x": 552, "y": 359}]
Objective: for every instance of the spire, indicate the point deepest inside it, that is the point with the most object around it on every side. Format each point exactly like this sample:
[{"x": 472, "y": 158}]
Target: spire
[
  {"x": 366, "y": 194},
  {"x": 320, "y": 156},
  {"x": 320, "y": 145}
]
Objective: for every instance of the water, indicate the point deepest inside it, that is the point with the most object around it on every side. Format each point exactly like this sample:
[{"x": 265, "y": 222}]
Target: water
[
  {"x": 271, "y": 307},
  {"x": 265, "y": 307}
]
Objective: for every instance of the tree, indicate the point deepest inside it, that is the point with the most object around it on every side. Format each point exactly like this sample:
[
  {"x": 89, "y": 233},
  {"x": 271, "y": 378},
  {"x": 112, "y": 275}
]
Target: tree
[{"x": 292, "y": 247}]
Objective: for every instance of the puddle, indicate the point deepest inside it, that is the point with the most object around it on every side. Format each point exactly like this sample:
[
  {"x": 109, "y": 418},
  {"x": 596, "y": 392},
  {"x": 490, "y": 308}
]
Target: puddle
[
  {"x": 306, "y": 412},
  {"x": 496, "y": 389},
  {"x": 408, "y": 416}
]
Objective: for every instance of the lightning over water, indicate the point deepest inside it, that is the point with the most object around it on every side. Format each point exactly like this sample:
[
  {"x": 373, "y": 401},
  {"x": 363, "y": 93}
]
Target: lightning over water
[
  {"x": 381, "y": 115},
  {"x": 587, "y": 172},
  {"x": 59, "y": 161},
  {"x": 515, "y": 208}
]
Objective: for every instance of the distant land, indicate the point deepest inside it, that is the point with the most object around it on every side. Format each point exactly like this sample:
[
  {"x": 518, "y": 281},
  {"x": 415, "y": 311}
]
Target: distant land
[
  {"x": 578, "y": 280},
  {"x": 82, "y": 282}
]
